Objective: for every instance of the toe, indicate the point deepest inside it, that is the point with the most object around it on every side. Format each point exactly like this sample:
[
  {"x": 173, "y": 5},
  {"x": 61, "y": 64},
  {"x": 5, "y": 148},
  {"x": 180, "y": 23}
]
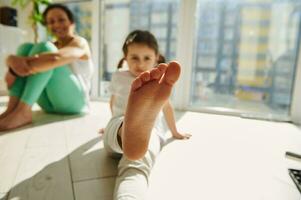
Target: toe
[
  {"x": 137, "y": 83},
  {"x": 144, "y": 76},
  {"x": 162, "y": 67},
  {"x": 172, "y": 73},
  {"x": 155, "y": 74}
]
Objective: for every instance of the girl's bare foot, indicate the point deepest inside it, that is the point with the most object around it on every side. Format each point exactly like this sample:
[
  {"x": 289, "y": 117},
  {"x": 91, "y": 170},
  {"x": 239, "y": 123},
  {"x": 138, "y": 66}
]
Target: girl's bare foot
[
  {"x": 149, "y": 92},
  {"x": 20, "y": 116}
]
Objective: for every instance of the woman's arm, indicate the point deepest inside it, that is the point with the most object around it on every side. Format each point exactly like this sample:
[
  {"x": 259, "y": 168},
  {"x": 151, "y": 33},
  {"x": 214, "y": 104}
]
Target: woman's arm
[
  {"x": 9, "y": 79},
  {"x": 171, "y": 122},
  {"x": 18, "y": 65},
  {"x": 77, "y": 49}
]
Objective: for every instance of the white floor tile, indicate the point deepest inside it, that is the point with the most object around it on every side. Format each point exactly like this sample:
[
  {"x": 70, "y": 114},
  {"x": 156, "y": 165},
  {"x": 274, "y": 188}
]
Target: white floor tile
[
  {"x": 91, "y": 161},
  {"x": 47, "y": 135},
  {"x": 99, "y": 189},
  {"x": 43, "y": 174},
  {"x": 12, "y": 146},
  {"x": 3, "y": 196}
]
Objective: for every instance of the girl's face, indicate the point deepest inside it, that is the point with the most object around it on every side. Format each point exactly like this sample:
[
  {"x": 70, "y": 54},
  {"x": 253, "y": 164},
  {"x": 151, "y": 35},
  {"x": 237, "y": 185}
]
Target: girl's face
[
  {"x": 58, "y": 23},
  {"x": 140, "y": 58}
]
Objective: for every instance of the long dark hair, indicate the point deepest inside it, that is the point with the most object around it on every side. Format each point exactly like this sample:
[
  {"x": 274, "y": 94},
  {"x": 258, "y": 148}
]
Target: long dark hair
[
  {"x": 59, "y": 6},
  {"x": 141, "y": 37}
]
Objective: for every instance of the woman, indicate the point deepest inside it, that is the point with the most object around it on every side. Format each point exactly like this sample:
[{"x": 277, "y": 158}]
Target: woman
[{"x": 55, "y": 75}]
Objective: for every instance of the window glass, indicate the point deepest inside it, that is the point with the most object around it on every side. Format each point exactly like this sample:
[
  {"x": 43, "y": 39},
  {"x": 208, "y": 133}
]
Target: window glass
[
  {"x": 123, "y": 16},
  {"x": 245, "y": 56}
]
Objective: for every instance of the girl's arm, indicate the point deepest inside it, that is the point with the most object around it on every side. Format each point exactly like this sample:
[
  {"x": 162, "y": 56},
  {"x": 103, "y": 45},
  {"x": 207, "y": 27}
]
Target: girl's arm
[
  {"x": 102, "y": 130},
  {"x": 112, "y": 99},
  {"x": 171, "y": 122},
  {"x": 77, "y": 49}
]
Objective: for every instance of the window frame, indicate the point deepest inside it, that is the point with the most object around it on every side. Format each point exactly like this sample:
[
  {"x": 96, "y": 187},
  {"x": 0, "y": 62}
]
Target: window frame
[
  {"x": 296, "y": 95},
  {"x": 184, "y": 52},
  {"x": 96, "y": 46}
]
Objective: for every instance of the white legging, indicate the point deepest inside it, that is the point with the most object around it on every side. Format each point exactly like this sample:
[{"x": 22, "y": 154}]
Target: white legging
[{"x": 132, "y": 179}]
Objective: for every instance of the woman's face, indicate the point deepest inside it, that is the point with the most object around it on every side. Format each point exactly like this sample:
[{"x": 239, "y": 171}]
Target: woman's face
[
  {"x": 58, "y": 23},
  {"x": 140, "y": 58}
]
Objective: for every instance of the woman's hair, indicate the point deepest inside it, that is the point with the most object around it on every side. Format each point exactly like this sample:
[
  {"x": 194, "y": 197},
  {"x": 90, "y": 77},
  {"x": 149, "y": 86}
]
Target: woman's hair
[
  {"x": 58, "y": 6},
  {"x": 141, "y": 37}
]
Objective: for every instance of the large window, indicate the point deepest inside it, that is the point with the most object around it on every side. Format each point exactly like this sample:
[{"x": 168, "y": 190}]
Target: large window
[
  {"x": 245, "y": 56},
  {"x": 120, "y": 17},
  {"x": 82, "y": 11},
  {"x": 240, "y": 56}
]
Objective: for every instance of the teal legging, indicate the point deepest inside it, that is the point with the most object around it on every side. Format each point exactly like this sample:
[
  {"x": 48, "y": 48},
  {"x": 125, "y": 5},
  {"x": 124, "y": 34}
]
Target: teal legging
[{"x": 56, "y": 90}]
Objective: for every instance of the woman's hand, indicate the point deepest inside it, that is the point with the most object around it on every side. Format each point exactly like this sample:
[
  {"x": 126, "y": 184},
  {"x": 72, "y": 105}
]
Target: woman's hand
[
  {"x": 181, "y": 136},
  {"x": 9, "y": 79},
  {"x": 19, "y": 65}
]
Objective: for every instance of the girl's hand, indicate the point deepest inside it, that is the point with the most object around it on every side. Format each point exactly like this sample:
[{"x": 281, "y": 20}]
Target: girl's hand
[
  {"x": 101, "y": 131},
  {"x": 180, "y": 136},
  {"x": 9, "y": 79},
  {"x": 19, "y": 65}
]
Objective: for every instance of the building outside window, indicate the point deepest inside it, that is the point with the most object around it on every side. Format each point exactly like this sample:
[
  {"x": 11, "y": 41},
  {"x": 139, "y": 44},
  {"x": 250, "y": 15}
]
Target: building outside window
[
  {"x": 245, "y": 56},
  {"x": 83, "y": 17}
]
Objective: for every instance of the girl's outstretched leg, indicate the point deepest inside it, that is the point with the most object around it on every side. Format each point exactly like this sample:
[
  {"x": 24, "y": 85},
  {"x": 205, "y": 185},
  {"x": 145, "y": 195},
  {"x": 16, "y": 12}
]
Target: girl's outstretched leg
[
  {"x": 149, "y": 93},
  {"x": 132, "y": 180}
]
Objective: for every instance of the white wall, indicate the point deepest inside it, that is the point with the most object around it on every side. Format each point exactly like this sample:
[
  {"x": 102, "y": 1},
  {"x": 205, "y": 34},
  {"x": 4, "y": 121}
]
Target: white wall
[
  {"x": 11, "y": 38},
  {"x": 4, "y": 3},
  {"x": 22, "y": 17},
  {"x": 14, "y": 36}
]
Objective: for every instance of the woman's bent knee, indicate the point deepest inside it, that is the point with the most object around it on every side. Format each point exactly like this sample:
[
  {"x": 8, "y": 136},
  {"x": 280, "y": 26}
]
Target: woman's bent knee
[
  {"x": 43, "y": 47},
  {"x": 24, "y": 49}
]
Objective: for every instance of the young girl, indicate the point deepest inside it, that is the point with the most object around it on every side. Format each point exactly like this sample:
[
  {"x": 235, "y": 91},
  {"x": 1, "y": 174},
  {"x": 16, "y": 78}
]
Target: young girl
[{"x": 138, "y": 96}]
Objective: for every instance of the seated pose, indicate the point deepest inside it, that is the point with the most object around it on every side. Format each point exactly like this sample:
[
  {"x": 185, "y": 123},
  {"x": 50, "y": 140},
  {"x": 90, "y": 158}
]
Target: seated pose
[
  {"x": 54, "y": 75},
  {"x": 138, "y": 96}
]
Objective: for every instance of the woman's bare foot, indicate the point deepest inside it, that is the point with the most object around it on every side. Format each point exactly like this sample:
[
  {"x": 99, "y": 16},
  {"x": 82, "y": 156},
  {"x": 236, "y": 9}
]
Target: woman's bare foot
[
  {"x": 20, "y": 116},
  {"x": 149, "y": 92},
  {"x": 12, "y": 104}
]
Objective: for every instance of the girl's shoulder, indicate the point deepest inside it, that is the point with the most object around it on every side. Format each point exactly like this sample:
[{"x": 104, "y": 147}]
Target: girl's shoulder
[{"x": 122, "y": 75}]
